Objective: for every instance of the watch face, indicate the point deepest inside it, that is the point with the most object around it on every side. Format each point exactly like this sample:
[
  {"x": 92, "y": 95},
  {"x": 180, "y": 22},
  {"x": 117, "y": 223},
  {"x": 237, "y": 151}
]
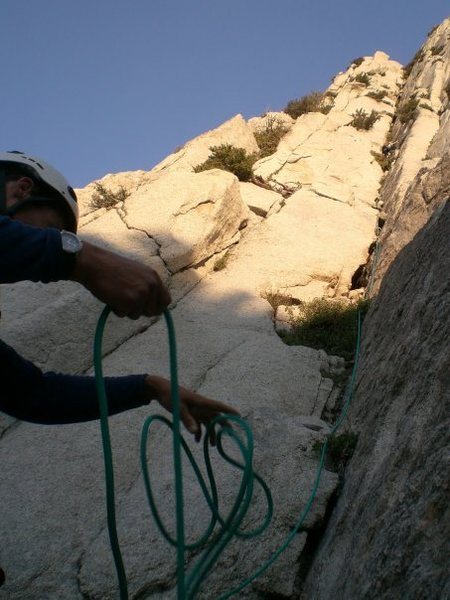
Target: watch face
[{"x": 70, "y": 242}]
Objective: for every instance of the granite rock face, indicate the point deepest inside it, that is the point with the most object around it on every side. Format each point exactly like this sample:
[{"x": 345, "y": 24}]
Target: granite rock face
[
  {"x": 191, "y": 216},
  {"x": 222, "y": 246},
  {"x": 388, "y": 534},
  {"x": 419, "y": 148},
  {"x": 324, "y": 153},
  {"x": 393, "y": 513}
]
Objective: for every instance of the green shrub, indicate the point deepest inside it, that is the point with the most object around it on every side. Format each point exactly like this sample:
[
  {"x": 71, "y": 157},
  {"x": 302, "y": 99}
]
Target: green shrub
[
  {"x": 327, "y": 324},
  {"x": 427, "y": 106},
  {"x": 310, "y": 103},
  {"x": 384, "y": 161},
  {"x": 229, "y": 158},
  {"x": 358, "y": 61},
  {"x": 106, "y": 198},
  {"x": 269, "y": 137},
  {"x": 407, "y": 110},
  {"x": 363, "y": 120},
  {"x": 377, "y": 95},
  {"x": 437, "y": 50},
  {"x": 409, "y": 67},
  {"x": 277, "y": 298},
  {"x": 363, "y": 78},
  {"x": 221, "y": 262}
]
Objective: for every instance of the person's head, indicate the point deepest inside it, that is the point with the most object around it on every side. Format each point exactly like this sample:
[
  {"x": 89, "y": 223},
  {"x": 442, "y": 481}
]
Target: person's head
[{"x": 35, "y": 193}]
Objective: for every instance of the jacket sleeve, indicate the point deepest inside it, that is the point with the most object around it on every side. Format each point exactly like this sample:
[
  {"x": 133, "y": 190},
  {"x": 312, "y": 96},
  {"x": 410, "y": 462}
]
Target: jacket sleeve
[
  {"x": 51, "y": 398},
  {"x": 31, "y": 253}
]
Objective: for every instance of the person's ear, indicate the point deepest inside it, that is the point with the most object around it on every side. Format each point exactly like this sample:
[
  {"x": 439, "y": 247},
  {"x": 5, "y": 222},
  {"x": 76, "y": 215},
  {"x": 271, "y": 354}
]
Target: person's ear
[{"x": 24, "y": 187}]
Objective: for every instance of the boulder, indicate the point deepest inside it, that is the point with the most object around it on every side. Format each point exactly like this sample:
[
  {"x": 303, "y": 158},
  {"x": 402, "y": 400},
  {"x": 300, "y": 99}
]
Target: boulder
[
  {"x": 258, "y": 199},
  {"x": 191, "y": 216},
  {"x": 311, "y": 238},
  {"x": 271, "y": 118},
  {"x": 110, "y": 231},
  {"x": 235, "y": 131}
]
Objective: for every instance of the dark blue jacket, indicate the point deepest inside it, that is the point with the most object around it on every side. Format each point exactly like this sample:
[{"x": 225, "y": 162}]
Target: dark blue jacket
[{"x": 31, "y": 253}]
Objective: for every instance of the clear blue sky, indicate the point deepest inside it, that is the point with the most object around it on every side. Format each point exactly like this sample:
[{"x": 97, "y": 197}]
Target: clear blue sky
[{"x": 98, "y": 86}]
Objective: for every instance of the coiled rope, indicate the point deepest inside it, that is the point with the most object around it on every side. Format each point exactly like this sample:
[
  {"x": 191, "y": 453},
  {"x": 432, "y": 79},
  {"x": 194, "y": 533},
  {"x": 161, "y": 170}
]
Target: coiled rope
[{"x": 228, "y": 526}]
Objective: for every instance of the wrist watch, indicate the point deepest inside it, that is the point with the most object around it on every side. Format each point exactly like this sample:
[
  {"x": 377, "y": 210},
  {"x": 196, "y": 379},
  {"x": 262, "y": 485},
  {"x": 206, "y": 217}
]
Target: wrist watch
[{"x": 71, "y": 243}]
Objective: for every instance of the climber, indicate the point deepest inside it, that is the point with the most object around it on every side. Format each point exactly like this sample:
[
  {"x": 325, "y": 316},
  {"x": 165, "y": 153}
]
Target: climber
[{"x": 38, "y": 242}]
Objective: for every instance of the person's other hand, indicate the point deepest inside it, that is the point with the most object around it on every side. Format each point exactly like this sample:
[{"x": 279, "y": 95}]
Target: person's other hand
[
  {"x": 195, "y": 410},
  {"x": 130, "y": 288}
]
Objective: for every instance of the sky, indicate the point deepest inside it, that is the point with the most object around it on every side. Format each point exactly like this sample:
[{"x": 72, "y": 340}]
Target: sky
[{"x": 103, "y": 86}]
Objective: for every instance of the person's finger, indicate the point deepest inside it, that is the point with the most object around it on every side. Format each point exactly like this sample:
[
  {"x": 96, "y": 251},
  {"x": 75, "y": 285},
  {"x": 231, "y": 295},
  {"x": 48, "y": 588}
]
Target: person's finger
[
  {"x": 212, "y": 436},
  {"x": 188, "y": 421},
  {"x": 158, "y": 298},
  {"x": 198, "y": 435},
  {"x": 135, "y": 314}
]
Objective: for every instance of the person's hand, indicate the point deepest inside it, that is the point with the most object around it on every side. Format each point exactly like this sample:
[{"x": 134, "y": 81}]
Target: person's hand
[
  {"x": 130, "y": 288},
  {"x": 195, "y": 410}
]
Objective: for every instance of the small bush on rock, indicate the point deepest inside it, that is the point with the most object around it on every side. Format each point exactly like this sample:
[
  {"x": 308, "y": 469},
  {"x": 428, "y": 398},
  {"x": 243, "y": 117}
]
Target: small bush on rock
[
  {"x": 310, "y": 103},
  {"x": 327, "y": 324},
  {"x": 409, "y": 67},
  {"x": 363, "y": 120},
  {"x": 221, "y": 263},
  {"x": 357, "y": 61},
  {"x": 277, "y": 298},
  {"x": 229, "y": 158},
  {"x": 106, "y": 198},
  {"x": 377, "y": 95},
  {"x": 269, "y": 137},
  {"x": 437, "y": 50},
  {"x": 363, "y": 78}
]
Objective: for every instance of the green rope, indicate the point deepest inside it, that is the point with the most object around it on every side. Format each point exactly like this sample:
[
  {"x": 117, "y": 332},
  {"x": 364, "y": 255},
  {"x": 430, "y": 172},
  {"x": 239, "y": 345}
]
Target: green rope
[
  {"x": 228, "y": 525},
  {"x": 107, "y": 455}
]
